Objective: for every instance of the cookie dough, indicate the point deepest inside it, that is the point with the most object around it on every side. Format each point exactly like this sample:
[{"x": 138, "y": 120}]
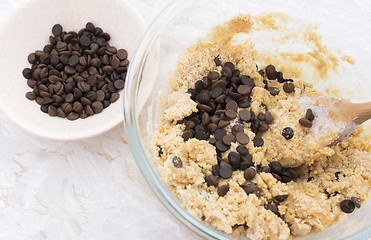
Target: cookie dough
[{"x": 310, "y": 202}]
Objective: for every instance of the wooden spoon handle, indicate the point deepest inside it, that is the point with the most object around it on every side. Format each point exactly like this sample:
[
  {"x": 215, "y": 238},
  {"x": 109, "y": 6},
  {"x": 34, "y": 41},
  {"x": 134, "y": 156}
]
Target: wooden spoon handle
[{"x": 362, "y": 112}]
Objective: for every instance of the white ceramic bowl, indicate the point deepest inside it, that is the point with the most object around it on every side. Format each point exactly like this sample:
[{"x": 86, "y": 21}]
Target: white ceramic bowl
[{"x": 28, "y": 29}]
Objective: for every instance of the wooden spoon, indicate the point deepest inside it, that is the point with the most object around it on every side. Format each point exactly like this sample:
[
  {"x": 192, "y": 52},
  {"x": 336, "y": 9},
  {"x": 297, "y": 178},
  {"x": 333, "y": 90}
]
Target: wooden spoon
[{"x": 334, "y": 114}]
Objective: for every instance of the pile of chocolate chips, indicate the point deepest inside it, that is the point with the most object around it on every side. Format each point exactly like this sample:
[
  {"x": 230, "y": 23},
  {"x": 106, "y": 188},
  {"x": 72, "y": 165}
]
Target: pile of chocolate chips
[
  {"x": 77, "y": 74},
  {"x": 224, "y": 99}
]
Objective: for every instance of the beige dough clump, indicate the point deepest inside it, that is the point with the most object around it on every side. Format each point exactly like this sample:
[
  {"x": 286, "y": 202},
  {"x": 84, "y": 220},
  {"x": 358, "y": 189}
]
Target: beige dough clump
[{"x": 313, "y": 201}]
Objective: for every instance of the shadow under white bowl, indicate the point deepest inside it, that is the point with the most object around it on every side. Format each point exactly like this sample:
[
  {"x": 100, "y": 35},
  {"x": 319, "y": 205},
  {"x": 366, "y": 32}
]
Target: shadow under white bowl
[{"x": 28, "y": 29}]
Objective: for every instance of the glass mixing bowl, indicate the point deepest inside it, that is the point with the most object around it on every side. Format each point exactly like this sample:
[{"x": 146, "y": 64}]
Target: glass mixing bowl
[{"x": 344, "y": 25}]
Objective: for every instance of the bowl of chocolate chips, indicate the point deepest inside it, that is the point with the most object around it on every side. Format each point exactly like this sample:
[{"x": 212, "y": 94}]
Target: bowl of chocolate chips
[
  {"x": 64, "y": 66},
  {"x": 218, "y": 116}
]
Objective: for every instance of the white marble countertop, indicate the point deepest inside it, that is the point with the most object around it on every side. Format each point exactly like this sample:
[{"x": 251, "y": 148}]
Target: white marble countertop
[{"x": 88, "y": 189}]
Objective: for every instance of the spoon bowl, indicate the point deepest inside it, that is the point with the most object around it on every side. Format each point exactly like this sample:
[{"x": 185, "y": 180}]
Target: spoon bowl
[{"x": 333, "y": 114}]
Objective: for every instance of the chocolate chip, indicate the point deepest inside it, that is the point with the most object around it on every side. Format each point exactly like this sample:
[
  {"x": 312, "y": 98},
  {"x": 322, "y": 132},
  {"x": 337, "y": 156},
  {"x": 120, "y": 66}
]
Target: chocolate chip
[
  {"x": 347, "y": 206},
  {"x": 309, "y": 114},
  {"x": 247, "y": 81},
  {"x": 27, "y": 73},
  {"x": 212, "y": 127},
  {"x": 212, "y": 180},
  {"x": 187, "y": 134},
  {"x": 230, "y": 114},
  {"x": 305, "y": 122},
  {"x": 236, "y": 73},
  {"x": 356, "y": 201},
  {"x": 288, "y": 133},
  {"x": 244, "y": 115},
  {"x": 212, "y": 141},
  {"x": 89, "y": 27},
  {"x": 201, "y": 135},
  {"x": 272, "y": 206},
  {"x": 203, "y": 98},
  {"x": 281, "y": 197},
  {"x": 57, "y": 29},
  {"x": 228, "y": 139},
  {"x": 261, "y": 116},
  {"x": 275, "y": 175},
  {"x": 217, "y": 61},
  {"x": 222, "y": 190},
  {"x": 263, "y": 126},
  {"x": 232, "y": 105},
  {"x": 225, "y": 171},
  {"x": 223, "y": 123},
  {"x": 271, "y": 72},
  {"x": 268, "y": 117},
  {"x": 220, "y": 83},
  {"x": 249, "y": 173},
  {"x": 234, "y": 159},
  {"x": 119, "y": 84},
  {"x": 85, "y": 41},
  {"x": 244, "y": 89},
  {"x": 265, "y": 169},
  {"x": 52, "y": 111},
  {"x": 221, "y": 146},
  {"x": 241, "y": 149},
  {"x": 219, "y": 134},
  {"x": 85, "y": 101},
  {"x": 230, "y": 65},
  {"x": 203, "y": 107},
  {"x": 83, "y": 87},
  {"x": 247, "y": 157},
  {"x": 73, "y": 60},
  {"x": 177, "y": 162},
  {"x": 258, "y": 141},
  {"x": 242, "y": 138},
  {"x": 276, "y": 167},
  {"x": 216, "y": 92},
  {"x": 246, "y": 162},
  {"x": 249, "y": 187},
  {"x": 108, "y": 69},
  {"x": 226, "y": 71},
  {"x": 236, "y": 129},
  {"x": 286, "y": 176},
  {"x": 92, "y": 80},
  {"x": 32, "y": 58},
  {"x": 77, "y": 107},
  {"x": 243, "y": 102},
  {"x": 122, "y": 54},
  {"x": 105, "y": 36},
  {"x": 205, "y": 119},
  {"x": 31, "y": 95},
  {"x": 273, "y": 91},
  {"x": 213, "y": 75},
  {"x": 288, "y": 87},
  {"x": 73, "y": 116},
  {"x": 215, "y": 170}
]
